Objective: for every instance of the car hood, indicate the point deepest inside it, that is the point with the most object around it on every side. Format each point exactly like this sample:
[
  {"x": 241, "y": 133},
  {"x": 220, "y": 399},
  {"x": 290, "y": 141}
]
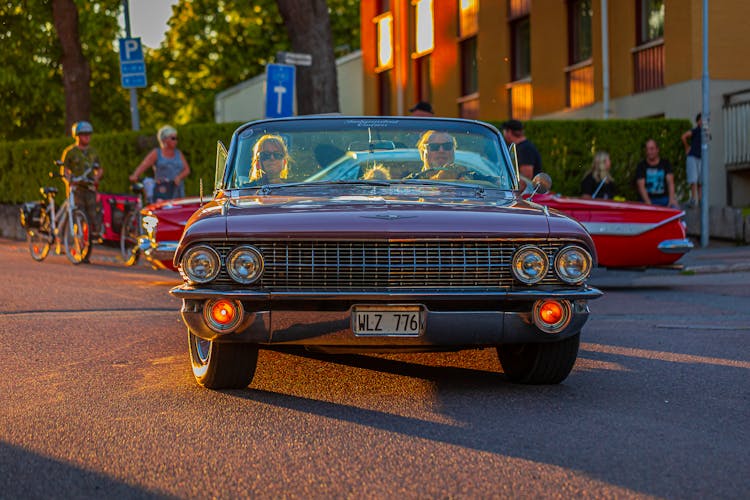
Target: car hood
[{"x": 359, "y": 217}]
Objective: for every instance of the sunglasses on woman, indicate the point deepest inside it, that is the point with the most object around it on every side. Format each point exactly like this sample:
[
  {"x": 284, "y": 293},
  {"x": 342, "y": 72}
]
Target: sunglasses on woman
[
  {"x": 267, "y": 155},
  {"x": 436, "y": 146}
]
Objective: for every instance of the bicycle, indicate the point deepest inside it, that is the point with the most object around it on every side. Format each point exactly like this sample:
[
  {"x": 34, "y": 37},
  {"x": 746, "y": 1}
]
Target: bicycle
[
  {"x": 45, "y": 225},
  {"x": 131, "y": 228}
]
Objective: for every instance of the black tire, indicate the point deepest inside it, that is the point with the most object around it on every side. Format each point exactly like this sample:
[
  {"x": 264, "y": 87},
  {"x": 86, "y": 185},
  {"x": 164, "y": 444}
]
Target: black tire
[
  {"x": 77, "y": 242},
  {"x": 218, "y": 365},
  {"x": 39, "y": 244},
  {"x": 129, "y": 238},
  {"x": 543, "y": 363}
]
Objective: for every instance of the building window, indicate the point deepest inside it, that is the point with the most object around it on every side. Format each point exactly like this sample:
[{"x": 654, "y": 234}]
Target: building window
[
  {"x": 384, "y": 93},
  {"x": 648, "y": 56},
  {"x": 579, "y": 30},
  {"x": 580, "y": 71},
  {"x": 468, "y": 11},
  {"x": 520, "y": 100},
  {"x": 469, "y": 71},
  {"x": 384, "y": 41},
  {"x": 423, "y": 89},
  {"x": 650, "y": 15},
  {"x": 520, "y": 42},
  {"x": 423, "y": 27}
]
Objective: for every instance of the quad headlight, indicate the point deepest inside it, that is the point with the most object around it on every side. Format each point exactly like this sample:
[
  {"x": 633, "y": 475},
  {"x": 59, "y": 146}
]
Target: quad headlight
[
  {"x": 530, "y": 264},
  {"x": 201, "y": 264},
  {"x": 245, "y": 264},
  {"x": 573, "y": 264}
]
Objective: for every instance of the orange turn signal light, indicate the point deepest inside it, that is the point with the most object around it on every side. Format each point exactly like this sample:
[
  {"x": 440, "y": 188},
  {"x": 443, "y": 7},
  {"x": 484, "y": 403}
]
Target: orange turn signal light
[
  {"x": 223, "y": 312},
  {"x": 551, "y": 312}
]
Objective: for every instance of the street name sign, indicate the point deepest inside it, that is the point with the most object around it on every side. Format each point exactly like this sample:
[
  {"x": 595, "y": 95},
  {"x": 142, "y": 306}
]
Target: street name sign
[
  {"x": 279, "y": 90},
  {"x": 132, "y": 64},
  {"x": 295, "y": 58}
]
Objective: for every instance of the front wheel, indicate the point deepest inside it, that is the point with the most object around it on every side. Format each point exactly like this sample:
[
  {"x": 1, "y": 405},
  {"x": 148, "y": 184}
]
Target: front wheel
[
  {"x": 544, "y": 363},
  {"x": 129, "y": 238},
  {"x": 219, "y": 365},
  {"x": 38, "y": 244},
  {"x": 76, "y": 237}
]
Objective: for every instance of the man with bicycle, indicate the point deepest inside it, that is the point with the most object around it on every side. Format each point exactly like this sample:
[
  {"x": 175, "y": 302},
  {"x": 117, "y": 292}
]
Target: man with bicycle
[{"x": 81, "y": 166}]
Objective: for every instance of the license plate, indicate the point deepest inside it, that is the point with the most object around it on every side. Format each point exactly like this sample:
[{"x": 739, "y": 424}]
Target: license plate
[{"x": 402, "y": 321}]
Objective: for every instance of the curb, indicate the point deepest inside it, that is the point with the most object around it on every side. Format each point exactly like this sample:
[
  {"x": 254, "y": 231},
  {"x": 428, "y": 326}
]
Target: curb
[{"x": 717, "y": 268}]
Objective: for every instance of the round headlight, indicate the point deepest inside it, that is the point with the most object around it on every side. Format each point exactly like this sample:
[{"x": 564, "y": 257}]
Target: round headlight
[
  {"x": 245, "y": 264},
  {"x": 530, "y": 264},
  {"x": 201, "y": 264},
  {"x": 573, "y": 264}
]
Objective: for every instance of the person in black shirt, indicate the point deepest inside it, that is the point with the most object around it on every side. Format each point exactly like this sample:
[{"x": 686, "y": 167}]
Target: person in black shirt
[
  {"x": 529, "y": 159},
  {"x": 654, "y": 178},
  {"x": 692, "y": 141},
  {"x": 598, "y": 183}
]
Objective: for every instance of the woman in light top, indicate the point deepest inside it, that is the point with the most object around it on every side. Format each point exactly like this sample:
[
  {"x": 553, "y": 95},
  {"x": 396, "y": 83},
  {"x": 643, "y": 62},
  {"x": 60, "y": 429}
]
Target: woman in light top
[{"x": 169, "y": 164}]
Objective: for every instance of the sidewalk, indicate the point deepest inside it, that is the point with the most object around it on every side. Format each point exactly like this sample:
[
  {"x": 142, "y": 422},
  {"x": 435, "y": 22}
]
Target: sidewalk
[{"x": 718, "y": 257}]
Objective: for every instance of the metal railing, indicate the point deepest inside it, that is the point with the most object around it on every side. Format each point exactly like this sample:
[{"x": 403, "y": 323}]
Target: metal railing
[
  {"x": 648, "y": 66},
  {"x": 736, "y": 112}
]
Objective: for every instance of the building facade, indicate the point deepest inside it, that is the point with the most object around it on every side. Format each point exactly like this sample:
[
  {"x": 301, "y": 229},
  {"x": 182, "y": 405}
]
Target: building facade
[{"x": 544, "y": 59}]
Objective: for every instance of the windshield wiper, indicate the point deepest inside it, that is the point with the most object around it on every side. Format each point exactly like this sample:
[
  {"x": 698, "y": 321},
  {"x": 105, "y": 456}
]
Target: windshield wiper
[
  {"x": 478, "y": 190},
  {"x": 267, "y": 188}
]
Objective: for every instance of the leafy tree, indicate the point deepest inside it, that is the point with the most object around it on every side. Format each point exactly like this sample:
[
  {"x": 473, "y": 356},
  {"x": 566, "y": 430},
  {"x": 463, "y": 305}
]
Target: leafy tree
[
  {"x": 212, "y": 45},
  {"x": 32, "y": 93}
]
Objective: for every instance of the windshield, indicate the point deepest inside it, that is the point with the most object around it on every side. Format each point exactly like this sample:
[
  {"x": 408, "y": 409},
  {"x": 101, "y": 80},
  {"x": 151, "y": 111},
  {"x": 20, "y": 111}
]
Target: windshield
[{"x": 378, "y": 150}]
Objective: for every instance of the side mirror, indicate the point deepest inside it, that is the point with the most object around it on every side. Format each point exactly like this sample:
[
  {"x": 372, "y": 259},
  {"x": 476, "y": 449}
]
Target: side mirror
[{"x": 542, "y": 183}]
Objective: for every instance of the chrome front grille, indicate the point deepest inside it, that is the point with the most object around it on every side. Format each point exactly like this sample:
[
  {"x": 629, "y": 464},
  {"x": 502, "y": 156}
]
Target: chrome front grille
[{"x": 379, "y": 265}]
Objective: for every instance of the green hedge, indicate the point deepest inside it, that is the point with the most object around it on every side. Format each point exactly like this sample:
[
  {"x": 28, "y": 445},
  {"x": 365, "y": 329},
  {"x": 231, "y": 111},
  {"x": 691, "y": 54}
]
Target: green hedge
[
  {"x": 25, "y": 165},
  {"x": 567, "y": 148}
]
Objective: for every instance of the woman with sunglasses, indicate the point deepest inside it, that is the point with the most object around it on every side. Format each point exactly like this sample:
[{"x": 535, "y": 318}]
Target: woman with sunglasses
[
  {"x": 270, "y": 164},
  {"x": 438, "y": 153},
  {"x": 169, "y": 164}
]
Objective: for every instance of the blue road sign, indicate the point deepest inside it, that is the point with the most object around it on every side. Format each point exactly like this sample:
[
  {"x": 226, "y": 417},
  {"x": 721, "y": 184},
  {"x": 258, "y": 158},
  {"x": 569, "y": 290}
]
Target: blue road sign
[
  {"x": 279, "y": 90},
  {"x": 132, "y": 65}
]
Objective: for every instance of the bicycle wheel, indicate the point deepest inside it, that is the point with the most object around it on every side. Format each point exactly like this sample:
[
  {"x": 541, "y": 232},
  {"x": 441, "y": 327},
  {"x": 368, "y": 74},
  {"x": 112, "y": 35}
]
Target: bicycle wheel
[
  {"x": 38, "y": 244},
  {"x": 129, "y": 238},
  {"x": 76, "y": 237}
]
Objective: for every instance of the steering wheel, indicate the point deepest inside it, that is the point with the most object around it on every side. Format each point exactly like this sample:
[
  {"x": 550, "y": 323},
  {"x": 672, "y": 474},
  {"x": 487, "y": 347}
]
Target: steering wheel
[{"x": 435, "y": 173}]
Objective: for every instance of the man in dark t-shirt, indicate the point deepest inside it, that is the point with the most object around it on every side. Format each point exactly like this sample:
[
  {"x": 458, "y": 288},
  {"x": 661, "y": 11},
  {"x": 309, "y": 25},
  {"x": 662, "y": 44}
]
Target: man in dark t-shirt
[
  {"x": 693, "y": 141},
  {"x": 529, "y": 159},
  {"x": 654, "y": 178}
]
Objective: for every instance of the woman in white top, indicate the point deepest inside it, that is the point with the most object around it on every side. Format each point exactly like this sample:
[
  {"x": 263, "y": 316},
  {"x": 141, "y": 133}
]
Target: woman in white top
[{"x": 169, "y": 164}]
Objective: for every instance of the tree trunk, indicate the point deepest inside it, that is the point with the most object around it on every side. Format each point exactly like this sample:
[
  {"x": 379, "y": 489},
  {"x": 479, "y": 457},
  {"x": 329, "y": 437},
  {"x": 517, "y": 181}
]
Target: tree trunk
[
  {"x": 76, "y": 71},
  {"x": 309, "y": 28}
]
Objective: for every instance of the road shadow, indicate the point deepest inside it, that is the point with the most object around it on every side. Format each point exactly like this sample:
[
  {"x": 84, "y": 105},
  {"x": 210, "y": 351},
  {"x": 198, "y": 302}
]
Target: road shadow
[
  {"x": 26, "y": 474},
  {"x": 606, "y": 420}
]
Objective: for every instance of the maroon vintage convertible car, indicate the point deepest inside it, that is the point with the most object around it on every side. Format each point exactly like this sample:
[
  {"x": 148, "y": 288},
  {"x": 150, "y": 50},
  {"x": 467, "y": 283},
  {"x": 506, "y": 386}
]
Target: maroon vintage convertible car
[{"x": 438, "y": 255}]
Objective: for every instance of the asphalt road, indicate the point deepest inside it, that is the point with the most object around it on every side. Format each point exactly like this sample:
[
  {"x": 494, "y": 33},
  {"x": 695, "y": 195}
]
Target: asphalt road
[{"x": 98, "y": 401}]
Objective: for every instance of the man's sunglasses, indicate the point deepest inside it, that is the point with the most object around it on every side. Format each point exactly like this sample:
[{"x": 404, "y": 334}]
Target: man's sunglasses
[
  {"x": 267, "y": 155},
  {"x": 436, "y": 146},
  {"x": 172, "y": 137}
]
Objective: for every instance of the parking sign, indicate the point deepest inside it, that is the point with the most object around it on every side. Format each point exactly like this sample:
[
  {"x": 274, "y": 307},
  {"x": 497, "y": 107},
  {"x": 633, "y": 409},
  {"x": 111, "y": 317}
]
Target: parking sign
[
  {"x": 132, "y": 65},
  {"x": 279, "y": 90}
]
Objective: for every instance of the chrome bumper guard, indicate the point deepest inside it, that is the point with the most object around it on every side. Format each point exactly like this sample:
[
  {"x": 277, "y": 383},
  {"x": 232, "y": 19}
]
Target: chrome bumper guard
[
  {"x": 269, "y": 320},
  {"x": 675, "y": 246},
  {"x": 156, "y": 253}
]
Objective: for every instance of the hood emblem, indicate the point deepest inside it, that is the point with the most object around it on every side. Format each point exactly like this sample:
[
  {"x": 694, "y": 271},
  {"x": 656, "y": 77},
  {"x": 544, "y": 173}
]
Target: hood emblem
[{"x": 388, "y": 216}]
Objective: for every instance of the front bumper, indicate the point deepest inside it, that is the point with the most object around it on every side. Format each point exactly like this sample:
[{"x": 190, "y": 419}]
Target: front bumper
[
  {"x": 158, "y": 254},
  {"x": 679, "y": 246},
  {"x": 451, "y": 319}
]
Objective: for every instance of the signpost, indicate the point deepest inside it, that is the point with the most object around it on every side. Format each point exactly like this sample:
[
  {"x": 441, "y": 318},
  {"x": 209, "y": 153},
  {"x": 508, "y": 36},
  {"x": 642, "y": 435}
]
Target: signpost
[
  {"x": 132, "y": 65},
  {"x": 279, "y": 90}
]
